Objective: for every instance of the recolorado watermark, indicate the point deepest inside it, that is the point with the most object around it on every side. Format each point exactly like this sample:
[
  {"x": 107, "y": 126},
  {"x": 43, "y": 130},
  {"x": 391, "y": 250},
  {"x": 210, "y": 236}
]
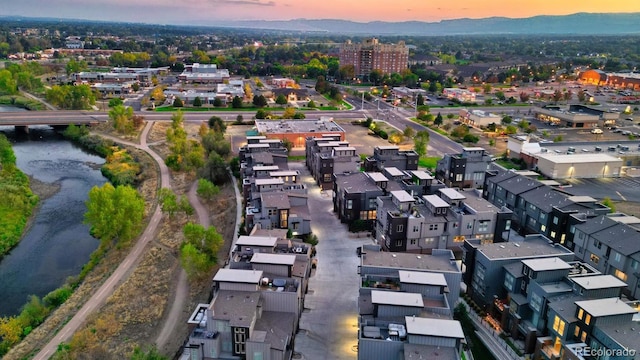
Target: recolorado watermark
[{"x": 588, "y": 351}]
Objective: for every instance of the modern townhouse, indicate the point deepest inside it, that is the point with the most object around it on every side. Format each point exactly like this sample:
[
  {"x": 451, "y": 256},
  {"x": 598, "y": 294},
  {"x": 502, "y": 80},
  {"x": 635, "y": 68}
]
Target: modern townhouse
[
  {"x": 391, "y": 156},
  {"x": 443, "y": 221},
  {"x": 328, "y": 155},
  {"x": 612, "y": 245},
  {"x": 464, "y": 170}
]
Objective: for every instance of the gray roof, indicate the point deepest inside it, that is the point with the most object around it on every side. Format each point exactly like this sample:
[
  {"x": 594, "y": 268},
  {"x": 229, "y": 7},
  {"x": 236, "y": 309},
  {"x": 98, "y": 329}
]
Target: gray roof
[
  {"x": 434, "y": 327},
  {"x": 237, "y": 307},
  {"x": 515, "y": 269},
  {"x": 435, "y": 200},
  {"x": 402, "y": 196},
  {"x": 546, "y": 264},
  {"x": 595, "y": 224},
  {"x": 626, "y": 334},
  {"x": 238, "y": 276},
  {"x": 422, "y": 175},
  {"x": 545, "y": 198},
  {"x": 274, "y": 328},
  {"x": 502, "y": 176},
  {"x": 519, "y": 184},
  {"x": 397, "y": 298},
  {"x": 421, "y": 277},
  {"x": 621, "y": 238},
  {"x": 606, "y": 307},
  {"x": 357, "y": 182},
  {"x": 598, "y": 282},
  {"x": 452, "y": 194},
  {"x": 431, "y": 352},
  {"x": 276, "y": 259},
  {"x": 394, "y": 171},
  {"x": 409, "y": 261},
  {"x": 532, "y": 246},
  {"x": 278, "y": 200},
  {"x": 269, "y": 181},
  {"x": 565, "y": 306},
  {"x": 377, "y": 176},
  {"x": 257, "y": 241}
]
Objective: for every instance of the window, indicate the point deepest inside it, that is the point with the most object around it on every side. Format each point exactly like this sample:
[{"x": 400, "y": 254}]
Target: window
[
  {"x": 558, "y": 325},
  {"x": 618, "y": 257},
  {"x": 414, "y": 241},
  {"x": 620, "y": 275},
  {"x": 239, "y": 339},
  {"x": 483, "y": 225},
  {"x": 580, "y": 235},
  {"x": 372, "y": 203},
  {"x": 542, "y": 217},
  {"x": 634, "y": 264},
  {"x": 469, "y": 225},
  {"x": 257, "y": 355},
  {"x": 509, "y": 282},
  {"x": 296, "y": 226},
  {"x": 326, "y": 178},
  {"x": 580, "y": 314},
  {"x": 553, "y": 234},
  {"x": 272, "y": 212},
  {"x": 555, "y": 220},
  {"x": 459, "y": 177},
  {"x": 583, "y": 338},
  {"x": 349, "y": 204},
  {"x": 532, "y": 207},
  {"x": 416, "y": 228},
  {"x": 507, "y": 225},
  {"x": 543, "y": 228},
  {"x": 576, "y": 332},
  {"x": 400, "y": 228},
  {"x": 433, "y": 227},
  {"x": 587, "y": 319},
  {"x": 398, "y": 243},
  {"x": 536, "y": 302},
  {"x": 597, "y": 244},
  {"x": 572, "y": 229},
  {"x": 594, "y": 259}
]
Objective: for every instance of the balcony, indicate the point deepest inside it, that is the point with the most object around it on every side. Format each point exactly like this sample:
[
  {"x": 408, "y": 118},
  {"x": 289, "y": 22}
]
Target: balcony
[
  {"x": 548, "y": 350},
  {"x": 381, "y": 282}
]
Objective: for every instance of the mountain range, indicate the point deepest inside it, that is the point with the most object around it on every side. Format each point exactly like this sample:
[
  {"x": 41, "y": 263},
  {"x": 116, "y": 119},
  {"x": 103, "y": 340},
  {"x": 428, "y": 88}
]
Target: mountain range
[{"x": 578, "y": 24}]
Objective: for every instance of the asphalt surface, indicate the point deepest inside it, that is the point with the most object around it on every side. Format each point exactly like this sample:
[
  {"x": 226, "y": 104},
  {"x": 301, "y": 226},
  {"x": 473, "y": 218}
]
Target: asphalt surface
[
  {"x": 618, "y": 189},
  {"x": 329, "y": 323}
]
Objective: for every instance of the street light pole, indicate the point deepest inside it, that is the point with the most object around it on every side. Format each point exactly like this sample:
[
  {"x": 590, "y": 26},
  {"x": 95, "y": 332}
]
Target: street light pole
[{"x": 362, "y": 104}]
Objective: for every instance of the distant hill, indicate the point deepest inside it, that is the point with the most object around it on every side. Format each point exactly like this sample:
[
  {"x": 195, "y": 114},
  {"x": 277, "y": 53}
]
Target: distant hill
[{"x": 578, "y": 24}]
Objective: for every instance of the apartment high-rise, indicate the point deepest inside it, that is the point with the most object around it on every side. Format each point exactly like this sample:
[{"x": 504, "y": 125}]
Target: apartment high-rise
[{"x": 370, "y": 55}]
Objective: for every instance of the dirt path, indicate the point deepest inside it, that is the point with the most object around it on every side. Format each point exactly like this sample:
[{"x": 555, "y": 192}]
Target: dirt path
[
  {"x": 182, "y": 287},
  {"x": 123, "y": 270}
]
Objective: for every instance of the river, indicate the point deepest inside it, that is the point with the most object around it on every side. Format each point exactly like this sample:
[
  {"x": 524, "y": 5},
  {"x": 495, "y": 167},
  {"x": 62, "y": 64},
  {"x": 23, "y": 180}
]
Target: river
[{"x": 57, "y": 244}]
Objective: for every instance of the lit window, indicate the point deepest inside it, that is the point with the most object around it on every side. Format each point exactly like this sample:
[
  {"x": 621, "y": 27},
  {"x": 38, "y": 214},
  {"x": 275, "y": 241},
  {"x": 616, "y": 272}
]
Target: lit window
[
  {"x": 594, "y": 259},
  {"x": 543, "y": 227},
  {"x": 580, "y": 314},
  {"x": 587, "y": 319},
  {"x": 583, "y": 338},
  {"x": 553, "y": 234},
  {"x": 576, "y": 332},
  {"x": 558, "y": 325},
  {"x": 620, "y": 275}
]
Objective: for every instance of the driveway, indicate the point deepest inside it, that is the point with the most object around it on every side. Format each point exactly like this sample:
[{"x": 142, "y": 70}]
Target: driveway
[{"x": 329, "y": 323}]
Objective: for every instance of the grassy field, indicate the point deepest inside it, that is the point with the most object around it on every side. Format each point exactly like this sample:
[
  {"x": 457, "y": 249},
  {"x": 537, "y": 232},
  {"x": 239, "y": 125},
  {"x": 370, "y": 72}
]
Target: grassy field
[{"x": 428, "y": 161}]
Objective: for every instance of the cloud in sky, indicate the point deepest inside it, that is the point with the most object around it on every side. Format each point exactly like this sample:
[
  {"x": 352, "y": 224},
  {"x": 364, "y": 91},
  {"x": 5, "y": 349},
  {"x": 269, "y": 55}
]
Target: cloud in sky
[{"x": 210, "y": 11}]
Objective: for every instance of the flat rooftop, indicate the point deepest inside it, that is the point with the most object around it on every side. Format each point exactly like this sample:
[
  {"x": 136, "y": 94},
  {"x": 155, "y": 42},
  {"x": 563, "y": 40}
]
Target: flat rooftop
[
  {"x": 434, "y": 327},
  {"x": 421, "y": 277},
  {"x": 402, "y": 196},
  {"x": 435, "y": 201},
  {"x": 536, "y": 246},
  {"x": 298, "y": 126},
  {"x": 377, "y": 176},
  {"x": 546, "y": 264},
  {"x": 396, "y": 298},
  {"x": 276, "y": 259},
  {"x": 257, "y": 241},
  {"x": 238, "y": 276},
  {"x": 393, "y": 171},
  {"x": 422, "y": 175},
  {"x": 238, "y": 307},
  {"x": 431, "y": 352},
  {"x": 598, "y": 282},
  {"x": 452, "y": 194},
  {"x": 270, "y": 181},
  {"x": 578, "y": 158},
  {"x": 409, "y": 261},
  {"x": 606, "y": 307}
]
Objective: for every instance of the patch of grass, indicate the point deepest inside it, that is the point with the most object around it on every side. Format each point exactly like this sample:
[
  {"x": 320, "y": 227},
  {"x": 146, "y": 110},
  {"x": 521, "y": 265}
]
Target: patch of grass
[
  {"x": 429, "y": 162},
  {"x": 297, "y": 157},
  {"x": 21, "y": 102}
]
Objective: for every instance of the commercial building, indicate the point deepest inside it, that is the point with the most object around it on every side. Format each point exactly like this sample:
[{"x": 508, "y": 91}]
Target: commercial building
[
  {"x": 575, "y": 116},
  {"x": 479, "y": 118},
  {"x": 616, "y": 80},
  {"x": 462, "y": 95},
  {"x": 372, "y": 55},
  {"x": 464, "y": 170},
  {"x": 581, "y": 165},
  {"x": 297, "y": 132},
  {"x": 204, "y": 74}
]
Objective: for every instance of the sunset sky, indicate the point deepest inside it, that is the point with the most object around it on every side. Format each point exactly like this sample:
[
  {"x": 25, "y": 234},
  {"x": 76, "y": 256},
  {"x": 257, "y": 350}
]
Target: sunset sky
[{"x": 203, "y": 12}]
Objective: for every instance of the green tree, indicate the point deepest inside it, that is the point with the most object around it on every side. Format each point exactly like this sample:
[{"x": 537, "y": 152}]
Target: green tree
[
  {"x": 470, "y": 138},
  {"x": 122, "y": 119},
  {"x": 115, "y": 102},
  {"x": 259, "y": 101},
  {"x": 217, "y": 124},
  {"x": 510, "y": 129},
  {"x": 193, "y": 261},
  {"x": 609, "y": 203},
  {"x": 460, "y": 131},
  {"x": 207, "y": 189},
  {"x": 215, "y": 169},
  {"x": 281, "y": 100},
  {"x": 197, "y": 102},
  {"x": 8, "y": 85},
  {"x": 408, "y": 132},
  {"x": 420, "y": 100},
  {"x": 262, "y": 114},
  {"x": 115, "y": 214},
  {"x": 217, "y": 102},
  {"x": 178, "y": 103},
  {"x": 438, "y": 120},
  {"x": 420, "y": 142},
  {"x": 168, "y": 201},
  {"x": 236, "y": 103}
]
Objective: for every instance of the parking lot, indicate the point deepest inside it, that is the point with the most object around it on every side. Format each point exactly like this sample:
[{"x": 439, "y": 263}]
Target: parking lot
[{"x": 618, "y": 189}]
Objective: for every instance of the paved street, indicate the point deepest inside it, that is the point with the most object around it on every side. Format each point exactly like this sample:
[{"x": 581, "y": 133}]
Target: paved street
[
  {"x": 618, "y": 189},
  {"x": 328, "y": 326}
]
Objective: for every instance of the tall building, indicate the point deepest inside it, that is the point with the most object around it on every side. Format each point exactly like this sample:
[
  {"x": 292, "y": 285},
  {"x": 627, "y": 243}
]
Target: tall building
[{"x": 371, "y": 55}]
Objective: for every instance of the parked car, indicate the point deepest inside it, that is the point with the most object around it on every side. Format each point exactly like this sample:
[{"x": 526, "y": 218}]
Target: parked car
[{"x": 596, "y": 131}]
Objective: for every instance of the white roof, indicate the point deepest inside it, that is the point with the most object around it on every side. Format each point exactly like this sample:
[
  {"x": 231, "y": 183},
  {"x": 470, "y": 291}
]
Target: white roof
[
  {"x": 276, "y": 259},
  {"x": 269, "y": 141},
  {"x": 256, "y": 240},
  {"x": 238, "y": 276},
  {"x": 606, "y": 307},
  {"x": 256, "y": 137},
  {"x": 259, "y": 145},
  {"x": 402, "y": 196},
  {"x": 581, "y": 199},
  {"x": 598, "y": 282},
  {"x": 434, "y": 327},
  {"x": 545, "y": 264},
  {"x": 388, "y": 147},
  {"x": 394, "y": 171},
  {"x": 284, "y": 173},
  {"x": 452, "y": 194},
  {"x": 265, "y": 167},
  {"x": 419, "y": 277},
  {"x": 344, "y": 148},
  {"x": 397, "y": 298},
  {"x": 435, "y": 200},
  {"x": 271, "y": 181},
  {"x": 422, "y": 175},
  {"x": 579, "y": 158},
  {"x": 377, "y": 176},
  {"x": 477, "y": 148}
]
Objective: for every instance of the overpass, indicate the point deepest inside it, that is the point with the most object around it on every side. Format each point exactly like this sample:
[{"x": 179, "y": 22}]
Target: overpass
[{"x": 23, "y": 119}]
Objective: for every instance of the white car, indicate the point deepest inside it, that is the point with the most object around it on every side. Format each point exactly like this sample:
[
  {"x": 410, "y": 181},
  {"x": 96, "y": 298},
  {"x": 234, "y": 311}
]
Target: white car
[{"x": 596, "y": 131}]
